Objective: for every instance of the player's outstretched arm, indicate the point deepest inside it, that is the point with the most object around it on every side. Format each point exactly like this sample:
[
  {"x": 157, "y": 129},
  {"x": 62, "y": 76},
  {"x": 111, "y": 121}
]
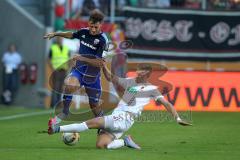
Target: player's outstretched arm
[
  {"x": 109, "y": 76},
  {"x": 169, "y": 107},
  {"x": 60, "y": 34}
]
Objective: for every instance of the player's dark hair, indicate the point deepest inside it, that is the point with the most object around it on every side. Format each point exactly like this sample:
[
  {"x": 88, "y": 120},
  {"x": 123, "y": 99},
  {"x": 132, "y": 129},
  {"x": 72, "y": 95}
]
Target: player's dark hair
[
  {"x": 96, "y": 16},
  {"x": 145, "y": 66}
]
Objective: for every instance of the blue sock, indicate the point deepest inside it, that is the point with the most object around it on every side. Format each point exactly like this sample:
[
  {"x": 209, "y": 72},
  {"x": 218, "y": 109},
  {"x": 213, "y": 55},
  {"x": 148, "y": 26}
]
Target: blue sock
[
  {"x": 57, "y": 130},
  {"x": 100, "y": 114},
  {"x": 66, "y": 103}
]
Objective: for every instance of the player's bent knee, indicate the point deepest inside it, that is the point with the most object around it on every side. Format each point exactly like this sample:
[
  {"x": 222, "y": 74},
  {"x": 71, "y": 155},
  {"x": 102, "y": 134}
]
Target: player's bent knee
[
  {"x": 71, "y": 84},
  {"x": 71, "y": 81},
  {"x": 70, "y": 89},
  {"x": 101, "y": 145}
]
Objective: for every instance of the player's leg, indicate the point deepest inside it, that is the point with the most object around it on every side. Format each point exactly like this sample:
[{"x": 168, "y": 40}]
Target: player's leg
[
  {"x": 95, "y": 123},
  {"x": 71, "y": 85},
  {"x": 104, "y": 139},
  {"x": 94, "y": 91},
  {"x": 117, "y": 123},
  {"x": 108, "y": 140},
  {"x": 96, "y": 109}
]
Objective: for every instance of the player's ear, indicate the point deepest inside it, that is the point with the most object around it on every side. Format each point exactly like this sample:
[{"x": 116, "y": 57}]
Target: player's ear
[
  {"x": 89, "y": 23},
  {"x": 100, "y": 24},
  {"x": 149, "y": 73}
]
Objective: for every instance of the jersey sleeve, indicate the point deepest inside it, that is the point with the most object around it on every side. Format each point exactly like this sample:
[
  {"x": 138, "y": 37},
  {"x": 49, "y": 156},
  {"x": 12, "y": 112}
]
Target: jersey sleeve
[
  {"x": 78, "y": 34},
  {"x": 105, "y": 42},
  {"x": 103, "y": 47},
  {"x": 156, "y": 94},
  {"x": 125, "y": 82}
]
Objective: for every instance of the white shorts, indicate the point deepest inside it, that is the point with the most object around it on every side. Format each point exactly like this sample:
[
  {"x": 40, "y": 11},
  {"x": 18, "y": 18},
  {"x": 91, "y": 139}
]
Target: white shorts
[{"x": 118, "y": 122}]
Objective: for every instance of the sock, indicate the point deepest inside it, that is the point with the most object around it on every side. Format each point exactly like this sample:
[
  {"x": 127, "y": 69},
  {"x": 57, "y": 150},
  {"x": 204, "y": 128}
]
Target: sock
[
  {"x": 77, "y": 127},
  {"x": 66, "y": 103},
  {"x": 100, "y": 114},
  {"x": 58, "y": 120},
  {"x": 118, "y": 143}
]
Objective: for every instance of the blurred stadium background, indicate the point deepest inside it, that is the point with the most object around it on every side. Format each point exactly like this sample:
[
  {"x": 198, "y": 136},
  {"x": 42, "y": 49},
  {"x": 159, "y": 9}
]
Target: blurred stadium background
[{"x": 197, "y": 40}]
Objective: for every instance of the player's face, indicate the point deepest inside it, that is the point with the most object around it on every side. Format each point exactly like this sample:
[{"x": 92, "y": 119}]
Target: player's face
[
  {"x": 143, "y": 73},
  {"x": 95, "y": 28}
]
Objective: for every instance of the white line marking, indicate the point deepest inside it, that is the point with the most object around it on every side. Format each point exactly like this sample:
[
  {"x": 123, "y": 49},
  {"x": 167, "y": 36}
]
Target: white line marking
[{"x": 25, "y": 115}]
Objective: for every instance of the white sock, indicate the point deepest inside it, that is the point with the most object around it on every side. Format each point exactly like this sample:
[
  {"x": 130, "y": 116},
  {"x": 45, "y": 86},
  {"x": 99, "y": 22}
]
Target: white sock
[
  {"x": 58, "y": 120},
  {"x": 118, "y": 143},
  {"x": 77, "y": 127}
]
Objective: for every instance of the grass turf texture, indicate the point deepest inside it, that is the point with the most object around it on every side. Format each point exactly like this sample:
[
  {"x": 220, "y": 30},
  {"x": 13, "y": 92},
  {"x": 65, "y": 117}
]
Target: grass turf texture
[{"x": 213, "y": 136}]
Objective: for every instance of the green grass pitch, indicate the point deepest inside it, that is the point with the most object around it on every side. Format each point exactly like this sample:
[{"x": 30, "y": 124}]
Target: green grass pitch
[{"x": 214, "y": 136}]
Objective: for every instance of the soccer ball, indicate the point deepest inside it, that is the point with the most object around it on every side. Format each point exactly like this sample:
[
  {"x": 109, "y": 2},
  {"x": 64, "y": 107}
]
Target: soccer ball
[{"x": 70, "y": 138}]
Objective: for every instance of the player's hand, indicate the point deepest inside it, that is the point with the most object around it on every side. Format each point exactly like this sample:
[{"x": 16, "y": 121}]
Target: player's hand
[
  {"x": 101, "y": 63},
  {"x": 104, "y": 63},
  {"x": 76, "y": 57},
  {"x": 49, "y": 35},
  {"x": 183, "y": 123}
]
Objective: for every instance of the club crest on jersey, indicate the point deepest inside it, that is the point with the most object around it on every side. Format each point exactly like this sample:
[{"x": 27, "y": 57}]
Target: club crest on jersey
[
  {"x": 96, "y": 41},
  {"x": 132, "y": 90}
]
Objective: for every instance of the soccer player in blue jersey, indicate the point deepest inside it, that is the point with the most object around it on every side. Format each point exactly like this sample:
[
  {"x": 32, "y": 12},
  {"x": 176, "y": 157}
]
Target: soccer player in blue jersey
[{"x": 86, "y": 71}]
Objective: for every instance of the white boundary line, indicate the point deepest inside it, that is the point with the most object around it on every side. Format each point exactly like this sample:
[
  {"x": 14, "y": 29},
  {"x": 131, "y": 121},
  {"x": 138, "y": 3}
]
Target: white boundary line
[{"x": 16, "y": 116}]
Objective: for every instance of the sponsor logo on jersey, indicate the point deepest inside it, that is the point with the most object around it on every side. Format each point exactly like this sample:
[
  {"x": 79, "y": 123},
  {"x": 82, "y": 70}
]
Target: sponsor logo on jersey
[
  {"x": 88, "y": 45},
  {"x": 132, "y": 90}
]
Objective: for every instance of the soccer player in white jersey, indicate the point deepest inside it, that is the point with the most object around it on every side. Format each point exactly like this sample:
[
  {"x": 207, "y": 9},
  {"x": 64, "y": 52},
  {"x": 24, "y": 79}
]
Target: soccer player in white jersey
[{"x": 138, "y": 92}]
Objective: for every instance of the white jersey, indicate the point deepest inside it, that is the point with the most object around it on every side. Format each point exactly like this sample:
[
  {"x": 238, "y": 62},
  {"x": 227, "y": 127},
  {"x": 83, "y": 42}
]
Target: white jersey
[{"x": 136, "y": 95}]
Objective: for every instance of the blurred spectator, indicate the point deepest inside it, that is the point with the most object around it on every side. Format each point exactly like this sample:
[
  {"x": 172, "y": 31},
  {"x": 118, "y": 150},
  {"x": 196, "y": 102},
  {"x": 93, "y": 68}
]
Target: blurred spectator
[
  {"x": 149, "y": 3},
  {"x": 84, "y": 7},
  {"x": 223, "y": 4},
  {"x": 104, "y": 6},
  {"x": 59, "y": 24},
  {"x": 88, "y": 6},
  {"x": 133, "y": 3},
  {"x": 235, "y": 4},
  {"x": 177, "y": 3},
  {"x": 193, "y": 4},
  {"x": 11, "y": 60},
  {"x": 75, "y": 6},
  {"x": 218, "y": 4},
  {"x": 58, "y": 56},
  {"x": 143, "y": 3},
  {"x": 163, "y": 3}
]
